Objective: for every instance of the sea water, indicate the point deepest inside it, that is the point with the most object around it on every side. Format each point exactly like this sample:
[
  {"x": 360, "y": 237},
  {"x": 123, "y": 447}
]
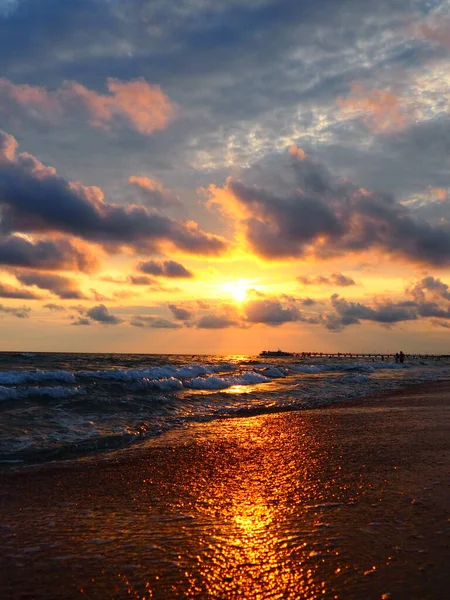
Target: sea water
[{"x": 59, "y": 406}]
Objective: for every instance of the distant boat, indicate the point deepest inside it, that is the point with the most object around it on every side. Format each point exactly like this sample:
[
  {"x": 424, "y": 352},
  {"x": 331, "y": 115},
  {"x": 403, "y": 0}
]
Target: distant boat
[{"x": 274, "y": 353}]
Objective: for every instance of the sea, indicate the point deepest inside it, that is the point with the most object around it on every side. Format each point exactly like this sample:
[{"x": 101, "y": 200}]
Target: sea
[{"x": 59, "y": 406}]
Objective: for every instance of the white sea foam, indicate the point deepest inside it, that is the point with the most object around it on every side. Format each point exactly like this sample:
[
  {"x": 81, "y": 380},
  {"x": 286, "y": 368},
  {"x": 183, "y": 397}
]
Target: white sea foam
[
  {"x": 157, "y": 373},
  {"x": 220, "y": 383},
  {"x": 20, "y": 377},
  {"x": 169, "y": 384},
  {"x": 275, "y": 372}
]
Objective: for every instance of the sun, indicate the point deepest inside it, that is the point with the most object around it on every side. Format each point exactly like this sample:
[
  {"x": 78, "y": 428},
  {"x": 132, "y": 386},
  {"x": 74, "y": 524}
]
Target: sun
[{"x": 237, "y": 289}]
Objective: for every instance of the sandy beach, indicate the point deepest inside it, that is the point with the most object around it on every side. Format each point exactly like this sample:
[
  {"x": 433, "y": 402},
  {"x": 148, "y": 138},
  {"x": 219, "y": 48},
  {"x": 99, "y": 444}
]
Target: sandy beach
[{"x": 345, "y": 502}]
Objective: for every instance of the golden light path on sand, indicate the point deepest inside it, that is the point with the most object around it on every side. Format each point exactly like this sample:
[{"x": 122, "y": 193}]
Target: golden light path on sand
[
  {"x": 318, "y": 504},
  {"x": 248, "y": 550}
]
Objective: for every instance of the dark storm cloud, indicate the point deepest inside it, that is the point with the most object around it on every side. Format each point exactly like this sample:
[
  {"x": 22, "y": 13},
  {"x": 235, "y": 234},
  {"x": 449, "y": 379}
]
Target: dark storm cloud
[
  {"x": 63, "y": 287},
  {"x": 153, "y": 322},
  {"x": 101, "y": 314},
  {"x": 180, "y": 313},
  {"x": 168, "y": 268},
  {"x": 8, "y": 291},
  {"x": 306, "y": 210},
  {"x": 15, "y": 251},
  {"x": 336, "y": 279},
  {"x": 34, "y": 199}
]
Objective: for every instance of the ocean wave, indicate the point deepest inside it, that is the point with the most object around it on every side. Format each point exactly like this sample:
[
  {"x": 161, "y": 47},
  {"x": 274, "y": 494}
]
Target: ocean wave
[
  {"x": 56, "y": 392},
  {"x": 168, "y": 384},
  {"x": 221, "y": 383},
  {"x": 164, "y": 372},
  {"x": 21, "y": 377}
]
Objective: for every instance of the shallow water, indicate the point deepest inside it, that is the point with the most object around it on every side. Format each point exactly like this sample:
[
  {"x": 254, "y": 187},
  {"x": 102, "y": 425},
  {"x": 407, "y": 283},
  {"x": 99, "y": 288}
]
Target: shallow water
[{"x": 55, "y": 406}]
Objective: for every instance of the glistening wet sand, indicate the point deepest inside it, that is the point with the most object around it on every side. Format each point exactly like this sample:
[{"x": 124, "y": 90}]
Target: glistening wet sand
[{"x": 349, "y": 502}]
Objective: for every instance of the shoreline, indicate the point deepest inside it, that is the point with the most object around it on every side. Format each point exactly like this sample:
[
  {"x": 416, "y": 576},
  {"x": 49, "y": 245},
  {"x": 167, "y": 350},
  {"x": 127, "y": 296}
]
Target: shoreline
[{"x": 349, "y": 501}]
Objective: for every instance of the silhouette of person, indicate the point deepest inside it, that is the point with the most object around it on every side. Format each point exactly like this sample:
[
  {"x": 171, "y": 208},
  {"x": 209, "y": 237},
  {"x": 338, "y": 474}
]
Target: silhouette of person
[
  {"x": 397, "y": 357},
  {"x": 401, "y": 357}
]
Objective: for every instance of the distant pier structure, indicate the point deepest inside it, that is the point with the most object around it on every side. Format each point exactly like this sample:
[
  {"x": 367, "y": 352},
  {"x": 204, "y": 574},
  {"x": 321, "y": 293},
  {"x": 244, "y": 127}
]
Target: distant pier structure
[{"x": 371, "y": 355}]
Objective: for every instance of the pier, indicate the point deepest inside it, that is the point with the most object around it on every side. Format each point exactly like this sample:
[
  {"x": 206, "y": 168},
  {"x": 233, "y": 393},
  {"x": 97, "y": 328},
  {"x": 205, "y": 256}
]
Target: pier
[{"x": 370, "y": 355}]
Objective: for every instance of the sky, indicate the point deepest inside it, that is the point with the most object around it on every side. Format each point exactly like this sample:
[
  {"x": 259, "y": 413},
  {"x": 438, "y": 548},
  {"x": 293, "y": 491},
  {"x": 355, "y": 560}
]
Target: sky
[{"x": 225, "y": 177}]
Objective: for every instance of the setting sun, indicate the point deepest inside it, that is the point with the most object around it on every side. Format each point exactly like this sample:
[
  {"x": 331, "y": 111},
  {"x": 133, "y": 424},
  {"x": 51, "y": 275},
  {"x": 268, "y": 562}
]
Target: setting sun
[{"x": 237, "y": 289}]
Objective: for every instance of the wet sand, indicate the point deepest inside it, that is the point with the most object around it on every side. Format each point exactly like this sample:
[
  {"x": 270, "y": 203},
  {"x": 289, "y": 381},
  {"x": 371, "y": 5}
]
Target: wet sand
[{"x": 346, "y": 502}]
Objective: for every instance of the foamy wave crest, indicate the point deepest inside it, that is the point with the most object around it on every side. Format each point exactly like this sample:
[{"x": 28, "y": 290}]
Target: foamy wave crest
[
  {"x": 275, "y": 372},
  {"x": 221, "y": 383},
  {"x": 157, "y": 373},
  {"x": 20, "y": 377},
  {"x": 56, "y": 392},
  {"x": 169, "y": 384}
]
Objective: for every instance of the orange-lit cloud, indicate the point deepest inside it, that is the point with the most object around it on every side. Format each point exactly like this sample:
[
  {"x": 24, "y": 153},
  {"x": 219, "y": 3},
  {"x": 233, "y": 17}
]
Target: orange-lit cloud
[
  {"x": 439, "y": 193},
  {"x": 297, "y": 152},
  {"x": 153, "y": 192},
  {"x": 325, "y": 218},
  {"x": 381, "y": 110},
  {"x": 146, "y": 183},
  {"x": 438, "y": 32},
  {"x": 34, "y": 199},
  {"x": 48, "y": 254},
  {"x": 143, "y": 105}
]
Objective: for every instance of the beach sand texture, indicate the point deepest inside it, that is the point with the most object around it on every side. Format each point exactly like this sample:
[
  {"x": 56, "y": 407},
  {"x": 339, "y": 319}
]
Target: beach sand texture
[{"x": 346, "y": 502}]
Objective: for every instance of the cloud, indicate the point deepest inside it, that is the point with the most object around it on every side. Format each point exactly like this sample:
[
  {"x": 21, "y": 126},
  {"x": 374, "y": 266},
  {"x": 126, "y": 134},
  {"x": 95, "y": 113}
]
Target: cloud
[
  {"x": 56, "y": 254},
  {"x": 270, "y": 312},
  {"x": 144, "y": 106},
  {"x": 101, "y": 314},
  {"x": 34, "y": 199},
  {"x": 216, "y": 322},
  {"x": 153, "y": 193},
  {"x": 381, "y": 110},
  {"x": 153, "y": 322},
  {"x": 307, "y": 302},
  {"x": 55, "y": 307},
  {"x": 336, "y": 279},
  {"x": 439, "y": 193},
  {"x": 140, "y": 280},
  {"x": 97, "y": 296},
  {"x": 20, "y": 313},
  {"x": 8, "y": 291},
  {"x": 168, "y": 268},
  {"x": 293, "y": 209},
  {"x": 435, "y": 30},
  {"x": 61, "y": 286},
  {"x": 352, "y": 313},
  {"x": 180, "y": 313},
  {"x": 435, "y": 287},
  {"x": 81, "y": 321}
]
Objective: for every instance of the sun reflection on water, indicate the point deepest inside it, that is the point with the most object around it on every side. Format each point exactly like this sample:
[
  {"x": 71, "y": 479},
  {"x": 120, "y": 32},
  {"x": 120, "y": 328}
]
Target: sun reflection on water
[{"x": 257, "y": 550}]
